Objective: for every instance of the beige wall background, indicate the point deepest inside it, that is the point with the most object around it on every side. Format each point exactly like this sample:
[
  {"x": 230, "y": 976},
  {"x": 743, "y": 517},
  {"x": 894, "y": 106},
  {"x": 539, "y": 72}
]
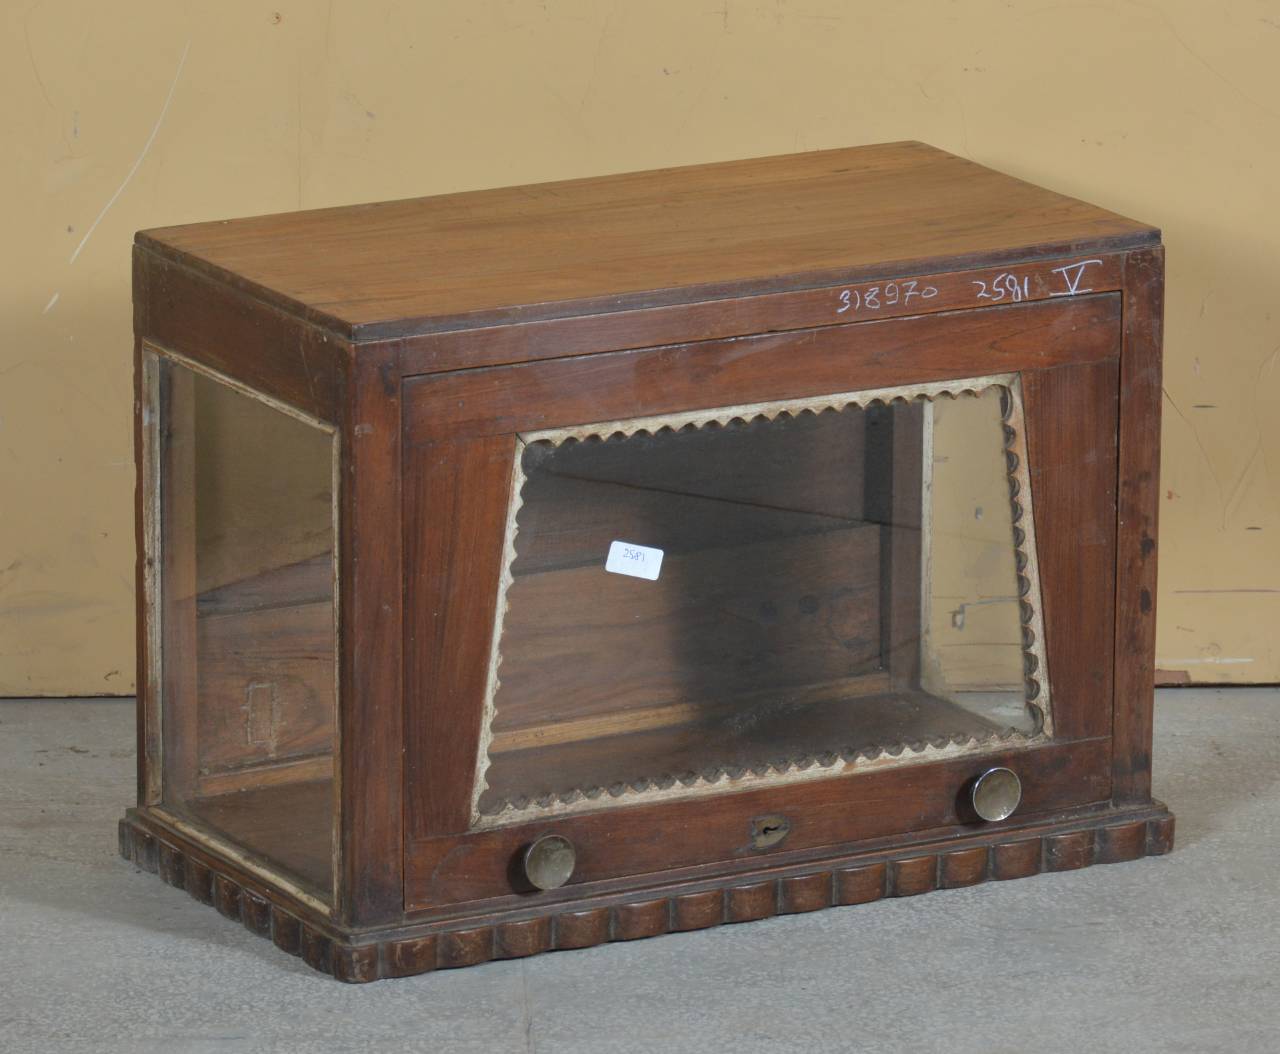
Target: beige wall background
[{"x": 144, "y": 113}]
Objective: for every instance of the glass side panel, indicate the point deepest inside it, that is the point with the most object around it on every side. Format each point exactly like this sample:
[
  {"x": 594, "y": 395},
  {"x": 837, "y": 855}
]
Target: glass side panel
[
  {"x": 974, "y": 652},
  {"x": 247, "y": 597},
  {"x": 735, "y": 600}
]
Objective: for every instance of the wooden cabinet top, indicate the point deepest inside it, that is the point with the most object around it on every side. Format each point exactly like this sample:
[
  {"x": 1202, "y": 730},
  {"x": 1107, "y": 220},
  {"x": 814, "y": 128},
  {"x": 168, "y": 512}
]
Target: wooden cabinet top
[{"x": 641, "y": 240}]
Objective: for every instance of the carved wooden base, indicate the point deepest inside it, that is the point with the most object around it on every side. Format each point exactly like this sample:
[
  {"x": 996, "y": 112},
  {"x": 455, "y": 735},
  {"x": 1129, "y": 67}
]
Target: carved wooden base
[{"x": 1100, "y": 837}]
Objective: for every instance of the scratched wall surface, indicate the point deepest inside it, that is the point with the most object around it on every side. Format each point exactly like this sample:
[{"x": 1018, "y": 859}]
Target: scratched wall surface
[{"x": 142, "y": 113}]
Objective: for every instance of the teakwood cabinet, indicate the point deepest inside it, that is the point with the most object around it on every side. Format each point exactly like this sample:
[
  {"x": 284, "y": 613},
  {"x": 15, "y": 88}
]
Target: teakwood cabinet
[{"x": 532, "y": 568}]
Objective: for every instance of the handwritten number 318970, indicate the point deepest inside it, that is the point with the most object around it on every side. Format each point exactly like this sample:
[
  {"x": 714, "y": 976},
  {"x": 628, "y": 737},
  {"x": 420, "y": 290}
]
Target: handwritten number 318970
[{"x": 874, "y": 297}]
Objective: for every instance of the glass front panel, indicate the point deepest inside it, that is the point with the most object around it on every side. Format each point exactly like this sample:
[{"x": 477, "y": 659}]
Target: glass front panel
[
  {"x": 763, "y": 595},
  {"x": 247, "y": 621},
  {"x": 975, "y": 649}
]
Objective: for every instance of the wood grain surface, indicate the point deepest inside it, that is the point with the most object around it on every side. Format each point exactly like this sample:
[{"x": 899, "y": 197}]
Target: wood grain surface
[
  {"x": 665, "y": 903},
  {"x": 619, "y": 385},
  {"x": 1071, "y": 428},
  {"x": 446, "y": 337},
  {"x": 642, "y": 239},
  {"x": 618, "y": 847},
  {"x": 1138, "y": 508}
]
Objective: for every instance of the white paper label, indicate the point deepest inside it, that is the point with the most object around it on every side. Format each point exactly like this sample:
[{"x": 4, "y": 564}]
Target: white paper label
[{"x": 638, "y": 561}]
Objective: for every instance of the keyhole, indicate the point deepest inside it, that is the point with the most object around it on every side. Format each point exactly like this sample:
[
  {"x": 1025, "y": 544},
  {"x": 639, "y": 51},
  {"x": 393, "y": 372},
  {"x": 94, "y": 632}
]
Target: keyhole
[{"x": 768, "y": 831}]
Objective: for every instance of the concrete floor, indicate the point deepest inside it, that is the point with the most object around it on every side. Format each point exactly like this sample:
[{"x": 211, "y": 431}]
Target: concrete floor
[{"x": 1180, "y": 953}]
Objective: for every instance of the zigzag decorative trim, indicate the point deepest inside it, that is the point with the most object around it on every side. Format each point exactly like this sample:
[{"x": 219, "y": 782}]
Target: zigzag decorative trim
[
  {"x": 1024, "y": 555},
  {"x": 853, "y": 880},
  {"x": 826, "y": 763},
  {"x": 746, "y": 413},
  {"x": 495, "y": 652},
  {"x": 796, "y": 768}
]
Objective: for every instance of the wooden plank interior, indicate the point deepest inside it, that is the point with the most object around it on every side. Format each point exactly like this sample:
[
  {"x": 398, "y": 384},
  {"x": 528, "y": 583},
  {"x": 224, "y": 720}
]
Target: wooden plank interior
[
  {"x": 749, "y": 733},
  {"x": 248, "y": 674},
  {"x": 751, "y": 518},
  {"x": 894, "y": 462},
  {"x": 718, "y": 622},
  {"x": 287, "y": 826},
  {"x": 266, "y": 646},
  {"x": 784, "y": 624}
]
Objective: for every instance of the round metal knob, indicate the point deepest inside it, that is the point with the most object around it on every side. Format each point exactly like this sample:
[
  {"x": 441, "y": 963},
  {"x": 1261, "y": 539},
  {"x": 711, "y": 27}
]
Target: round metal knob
[
  {"x": 996, "y": 794},
  {"x": 549, "y": 861}
]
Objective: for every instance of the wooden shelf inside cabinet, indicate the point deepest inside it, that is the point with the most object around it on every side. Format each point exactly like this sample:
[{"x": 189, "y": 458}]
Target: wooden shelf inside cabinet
[
  {"x": 791, "y": 733},
  {"x": 791, "y": 507}
]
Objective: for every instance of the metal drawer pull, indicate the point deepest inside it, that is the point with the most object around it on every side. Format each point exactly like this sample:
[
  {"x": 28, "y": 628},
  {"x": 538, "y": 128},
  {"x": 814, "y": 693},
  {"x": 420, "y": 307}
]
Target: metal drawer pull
[
  {"x": 996, "y": 794},
  {"x": 549, "y": 861}
]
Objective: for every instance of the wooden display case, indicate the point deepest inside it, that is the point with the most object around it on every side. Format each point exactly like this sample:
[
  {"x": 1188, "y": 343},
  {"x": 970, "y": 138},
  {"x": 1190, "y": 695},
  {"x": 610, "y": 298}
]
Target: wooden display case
[{"x": 532, "y": 568}]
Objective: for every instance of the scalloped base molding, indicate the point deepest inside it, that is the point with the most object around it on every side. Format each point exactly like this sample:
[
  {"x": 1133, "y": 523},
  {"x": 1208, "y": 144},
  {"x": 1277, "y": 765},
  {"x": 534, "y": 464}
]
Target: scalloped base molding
[{"x": 1104, "y": 836}]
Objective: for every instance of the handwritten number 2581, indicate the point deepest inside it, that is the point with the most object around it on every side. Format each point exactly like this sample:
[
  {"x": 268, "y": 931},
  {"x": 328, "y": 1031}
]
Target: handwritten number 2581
[{"x": 1004, "y": 285}]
